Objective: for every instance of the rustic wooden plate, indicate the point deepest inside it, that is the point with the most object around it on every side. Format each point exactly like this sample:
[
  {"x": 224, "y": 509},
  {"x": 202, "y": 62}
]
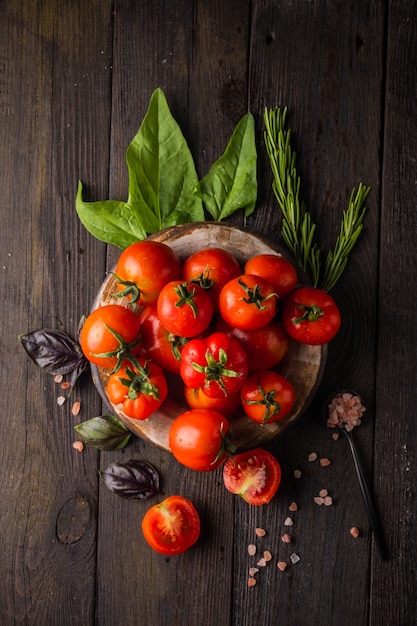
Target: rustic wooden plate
[{"x": 303, "y": 365}]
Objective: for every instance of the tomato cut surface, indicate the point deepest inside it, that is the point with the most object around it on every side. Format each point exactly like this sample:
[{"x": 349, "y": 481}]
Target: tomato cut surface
[
  {"x": 253, "y": 475},
  {"x": 172, "y": 526}
]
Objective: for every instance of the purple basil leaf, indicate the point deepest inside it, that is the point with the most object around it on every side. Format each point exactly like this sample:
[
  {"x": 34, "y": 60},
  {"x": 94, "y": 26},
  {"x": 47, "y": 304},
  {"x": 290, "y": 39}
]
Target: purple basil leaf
[
  {"x": 54, "y": 352},
  {"x": 132, "y": 479}
]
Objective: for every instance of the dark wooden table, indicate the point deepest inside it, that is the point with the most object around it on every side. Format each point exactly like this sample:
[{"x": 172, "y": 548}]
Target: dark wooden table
[{"x": 75, "y": 82}]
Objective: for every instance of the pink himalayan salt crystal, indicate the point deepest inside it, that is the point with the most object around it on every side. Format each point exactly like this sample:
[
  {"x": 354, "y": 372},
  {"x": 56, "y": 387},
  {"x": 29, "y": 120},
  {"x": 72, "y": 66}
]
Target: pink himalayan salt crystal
[
  {"x": 345, "y": 410},
  {"x": 282, "y": 565}
]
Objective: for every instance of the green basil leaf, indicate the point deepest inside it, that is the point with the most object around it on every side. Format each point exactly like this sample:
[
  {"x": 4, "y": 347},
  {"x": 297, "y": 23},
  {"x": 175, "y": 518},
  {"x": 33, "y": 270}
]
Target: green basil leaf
[
  {"x": 110, "y": 221},
  {"x": 162, "y": 173},
  {"x": 105, "y": 432},
  {"x": 231, "y": 182}
]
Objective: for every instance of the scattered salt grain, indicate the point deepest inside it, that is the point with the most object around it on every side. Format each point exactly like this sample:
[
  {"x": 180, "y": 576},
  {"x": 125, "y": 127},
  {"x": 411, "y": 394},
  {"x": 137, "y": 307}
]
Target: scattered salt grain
[
  {"x": 312, "y": 456},
  {"x": 66, "y": 385},
  {"x": 319, "y": 500},
  {"x": 328, "y": 501},
  {"x": 288, "y": 522},
  {"x": 293, "y": 506},
  {"x": 323, "y": 493},
  {"x": 260, "y": 532},
  {"x": 294, "y": 558},
  {"x": 261, "y": 562},
  {"x": 286, "y": 538},
  {"x": 76, "y": 407},
  {"x": 58, "y": 378},
  {"x": 335, "y": 436},
  {"x": 78, "y": 445},
  {"x": 251, "y": 549},
  {"x": 251, "y": 581},
  {"x": 253, "y": 571},
  {"x": 354, "y": 532},
  {"x": 60, "y": 400},
  {"x": 325, "y": 462},
  {"x": 267, "y": 556},
  {"x": 282, "y": 565},
  {"x": 297, "y": 473}
]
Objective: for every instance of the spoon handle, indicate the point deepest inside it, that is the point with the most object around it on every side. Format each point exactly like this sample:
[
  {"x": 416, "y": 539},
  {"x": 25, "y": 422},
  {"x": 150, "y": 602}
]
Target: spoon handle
[{"x": 370, "y": 509}]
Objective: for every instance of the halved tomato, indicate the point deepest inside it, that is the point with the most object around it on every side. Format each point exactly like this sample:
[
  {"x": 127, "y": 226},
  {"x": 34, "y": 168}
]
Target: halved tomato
[
  {"x": 172, "y": 526},
  {"x": 253, "y": 475}
]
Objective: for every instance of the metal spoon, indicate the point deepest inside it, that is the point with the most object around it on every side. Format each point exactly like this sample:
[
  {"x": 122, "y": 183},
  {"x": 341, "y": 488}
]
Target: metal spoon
[{"x": 367, "y": 498}]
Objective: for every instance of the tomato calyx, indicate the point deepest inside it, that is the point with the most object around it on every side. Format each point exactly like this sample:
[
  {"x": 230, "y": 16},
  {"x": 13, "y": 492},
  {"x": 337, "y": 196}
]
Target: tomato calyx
[
  {"x": 254, "y": 295},
  {"x": 215, "y": 370},
  {"x": 203, "y": 279},
  {"x": 138, "y": 382},
  {"x": 130, "y": 289},
  {"x": 227, "y": 446},
  {"x": 312, "y": 313},
  {"x": 122, "y": 351},
  {"x": 185, "y": 297},
  {"x": 176, "y": 342},
  {"x": 272, "y": 407}
]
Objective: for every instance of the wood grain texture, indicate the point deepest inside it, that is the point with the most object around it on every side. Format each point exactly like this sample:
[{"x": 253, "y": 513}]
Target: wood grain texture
[{"x": 75, "y": 83}]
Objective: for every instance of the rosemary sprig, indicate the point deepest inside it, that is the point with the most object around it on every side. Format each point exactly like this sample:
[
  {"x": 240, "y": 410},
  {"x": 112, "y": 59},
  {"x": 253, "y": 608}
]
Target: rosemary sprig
[
  {"x": 298, "y": 229},
  {"x": 350, "y": 230}
]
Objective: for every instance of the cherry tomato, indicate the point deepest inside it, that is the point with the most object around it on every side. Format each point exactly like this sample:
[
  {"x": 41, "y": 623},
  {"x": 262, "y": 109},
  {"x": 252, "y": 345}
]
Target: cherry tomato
[
  {"x": 211, "y": 268},
  {"x": 226, "y": 405},
  {"x": 311, "y": 316},
  {"x": 265, "y": 347},
  {"x": 157, "y": 343},
  {"x": 110, "y": 334},
  {"x": 217, "y": 364},
  {"x": 141, "y": 387},
  {"x": 172, "y": 526},
  {"x": 184, "y": 309},
  {"x": 278, "y": 271},
  {"x": 247, "y": 302},
  {"x": 144, "y": 268},
  {"x": 199, "y": 439},
  {"x": 253, "y": 475},
  {"x": 267, "y": 397}
]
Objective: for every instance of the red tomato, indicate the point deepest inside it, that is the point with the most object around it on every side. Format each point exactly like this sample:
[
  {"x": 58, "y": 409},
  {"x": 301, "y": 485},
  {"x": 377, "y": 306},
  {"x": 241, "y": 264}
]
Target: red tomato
[
  {"x": 253, "y": 475},
  {"x": 199, "y": 439},
  {"x": 278, "y": 271},
  {"x": 267, "y": 397},
  {"x": 247, "y": 302},
  {"x": 226, "y": 405},
  {"x": 141, "y": 387},
  {"x": 265, "y": 347},
  {"x": 217, "y": 364},
  {"x": 172, "y": 526},
  {"x": 311, "y": 316},
  {"x": 211, "y": 268},
  {"x": 144, "y": 268},
  {"x": 184, "y": 309},
  {"x": 110, "y": 334},
  {"x": 157, "y": 343}
]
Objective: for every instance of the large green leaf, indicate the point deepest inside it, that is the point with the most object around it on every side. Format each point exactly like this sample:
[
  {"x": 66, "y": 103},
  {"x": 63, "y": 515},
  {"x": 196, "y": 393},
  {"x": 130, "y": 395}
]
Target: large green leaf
[
  {"x": 162, "y": 173},
  {"x": 231, "y": 182}
]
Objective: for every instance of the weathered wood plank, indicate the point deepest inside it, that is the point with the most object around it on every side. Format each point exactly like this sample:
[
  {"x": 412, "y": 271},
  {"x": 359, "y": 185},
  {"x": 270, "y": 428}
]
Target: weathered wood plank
[
  {"x": 396, "y": 397},
  {"x": 48, "y": 58}
]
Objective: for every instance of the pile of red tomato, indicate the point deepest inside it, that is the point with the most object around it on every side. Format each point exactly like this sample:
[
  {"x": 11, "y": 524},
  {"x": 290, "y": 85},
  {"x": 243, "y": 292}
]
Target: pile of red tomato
[{"x": 220, "y": 329}]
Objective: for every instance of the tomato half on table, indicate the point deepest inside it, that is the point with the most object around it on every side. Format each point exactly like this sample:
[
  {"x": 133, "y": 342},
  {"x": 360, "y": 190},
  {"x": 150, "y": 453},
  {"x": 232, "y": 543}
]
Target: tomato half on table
[
  {"x": 248, "y": 302},
  {"x": 267, "y": 397},
  {"x": 184, "y": 309},
  {"x": 144, "y": 268},
  {"x": 277, "y": 270},
  {"x": 172, "y": 526},
  {"x": 311, "y": 316},
  {"x": 211, "y": 268},
  {"x": 110, "y": 334},
  {"x": 199, "y": 439},
  {"x": 254, "y": 476}
]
